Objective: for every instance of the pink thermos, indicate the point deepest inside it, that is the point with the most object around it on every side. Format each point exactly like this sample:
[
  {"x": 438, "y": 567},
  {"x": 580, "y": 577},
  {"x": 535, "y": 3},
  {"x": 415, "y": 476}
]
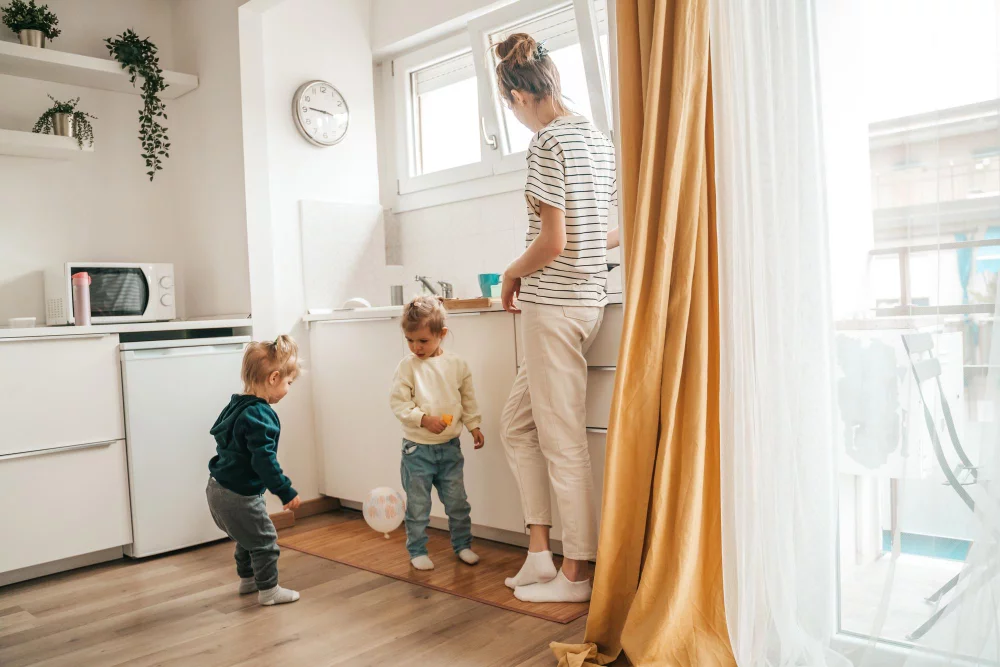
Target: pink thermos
[{"x": 81, "y": 299}]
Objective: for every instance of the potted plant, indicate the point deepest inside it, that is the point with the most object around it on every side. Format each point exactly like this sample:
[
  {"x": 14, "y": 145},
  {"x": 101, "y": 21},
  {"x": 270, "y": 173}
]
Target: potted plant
[
  {"x": 138, "y": 58},
  {"x": 33, "y": 24},
  {"x": 65, "y": 120}
]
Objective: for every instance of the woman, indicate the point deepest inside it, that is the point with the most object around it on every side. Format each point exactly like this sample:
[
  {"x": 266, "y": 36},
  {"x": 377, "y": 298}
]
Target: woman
[{"x": 559, "y": 283}]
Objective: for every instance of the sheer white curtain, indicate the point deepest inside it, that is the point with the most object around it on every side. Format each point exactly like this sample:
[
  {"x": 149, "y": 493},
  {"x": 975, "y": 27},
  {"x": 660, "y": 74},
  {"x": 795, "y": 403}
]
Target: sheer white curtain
[
  {"x": 857, "y": 150},
  {"x": 778, "y": 464}
]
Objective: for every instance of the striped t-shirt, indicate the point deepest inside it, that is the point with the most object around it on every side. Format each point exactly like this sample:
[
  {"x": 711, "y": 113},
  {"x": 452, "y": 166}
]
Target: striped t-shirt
[{"x": 571, "y": 166}]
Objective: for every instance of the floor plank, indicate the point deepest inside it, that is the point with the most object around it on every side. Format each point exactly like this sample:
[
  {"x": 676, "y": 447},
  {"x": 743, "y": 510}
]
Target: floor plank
[{"x": 183, "y": 610}]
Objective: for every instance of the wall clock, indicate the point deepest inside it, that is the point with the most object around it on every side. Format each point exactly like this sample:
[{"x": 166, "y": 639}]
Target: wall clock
[{"x": 320, "y": 113}]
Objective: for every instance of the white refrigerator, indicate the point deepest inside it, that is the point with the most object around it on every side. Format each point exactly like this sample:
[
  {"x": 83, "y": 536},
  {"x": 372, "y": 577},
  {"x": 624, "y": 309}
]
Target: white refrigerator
[{"x": 174, "y": 391}]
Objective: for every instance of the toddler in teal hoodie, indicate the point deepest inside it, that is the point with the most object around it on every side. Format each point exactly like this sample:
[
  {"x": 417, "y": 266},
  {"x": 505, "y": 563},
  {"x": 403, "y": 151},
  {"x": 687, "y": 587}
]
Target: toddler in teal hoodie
[{"x": 246, "y": 464}]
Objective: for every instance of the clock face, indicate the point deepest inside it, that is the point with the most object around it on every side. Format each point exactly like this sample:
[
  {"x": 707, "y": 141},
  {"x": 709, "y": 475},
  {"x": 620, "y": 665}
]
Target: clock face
[{"x": 320, "y": 113}]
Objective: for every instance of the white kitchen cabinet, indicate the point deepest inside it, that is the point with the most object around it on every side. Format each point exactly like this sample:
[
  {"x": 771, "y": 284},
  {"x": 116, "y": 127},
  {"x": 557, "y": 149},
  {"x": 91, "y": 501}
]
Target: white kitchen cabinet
[
  {"x": 63, "y": 503},
  {"x": 600, "y": 390},
  {"x": 352, "y": 366},
  {"x": 68, "y": 392},
  {"x": 604, "y": 350},
  {"x": 486, "y": 342}
]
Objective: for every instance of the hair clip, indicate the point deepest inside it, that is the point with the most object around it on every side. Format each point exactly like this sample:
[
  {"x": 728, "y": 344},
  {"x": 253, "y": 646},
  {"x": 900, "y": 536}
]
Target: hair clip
[{"x": 541, "y": 51}]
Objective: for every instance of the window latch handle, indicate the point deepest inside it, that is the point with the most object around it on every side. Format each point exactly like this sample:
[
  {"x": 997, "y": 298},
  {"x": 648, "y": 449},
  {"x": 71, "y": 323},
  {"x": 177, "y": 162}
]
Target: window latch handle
[{"x": 490, "y": 139}]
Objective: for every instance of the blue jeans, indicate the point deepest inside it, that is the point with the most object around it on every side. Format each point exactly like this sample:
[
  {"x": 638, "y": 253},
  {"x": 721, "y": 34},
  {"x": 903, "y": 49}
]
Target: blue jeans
[{"x": 440, "y": 466}]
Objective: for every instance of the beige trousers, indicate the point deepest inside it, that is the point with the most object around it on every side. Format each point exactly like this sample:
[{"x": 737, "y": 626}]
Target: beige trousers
[{"x": 544, "y": 426}]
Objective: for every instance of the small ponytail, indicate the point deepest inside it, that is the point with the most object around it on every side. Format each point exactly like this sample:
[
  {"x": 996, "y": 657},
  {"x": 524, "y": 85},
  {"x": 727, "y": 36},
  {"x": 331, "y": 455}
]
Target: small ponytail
[
  {"x": 524, "y": 64},
  {"x": 263, "y": 358}
]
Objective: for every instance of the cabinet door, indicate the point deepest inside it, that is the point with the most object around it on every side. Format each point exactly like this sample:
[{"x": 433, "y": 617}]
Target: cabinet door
[
  {"x": 600, "y": 391},
  {"x": 486, "y": 342},
  {"x": 604, "y": 350},
  {"x": 63, "y": 503},
  {"x": 353, "y": 362},
  {"x": 68, "y": 392}
]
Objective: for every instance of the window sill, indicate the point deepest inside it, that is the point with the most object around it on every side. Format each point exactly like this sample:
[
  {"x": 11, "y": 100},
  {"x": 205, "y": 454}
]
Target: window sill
[{"x": 456, "y": 192}]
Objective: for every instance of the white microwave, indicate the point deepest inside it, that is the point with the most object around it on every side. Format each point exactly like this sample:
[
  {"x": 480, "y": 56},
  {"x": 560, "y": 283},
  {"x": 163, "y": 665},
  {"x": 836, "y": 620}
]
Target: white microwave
[{"x": 119, "y": 292}]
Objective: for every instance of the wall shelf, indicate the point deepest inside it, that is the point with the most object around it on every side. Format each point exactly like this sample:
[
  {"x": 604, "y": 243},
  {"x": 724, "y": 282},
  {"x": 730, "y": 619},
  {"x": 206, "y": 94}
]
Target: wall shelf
[
  {"x": 43, "y": 146},
  {"x": 73, "y": 69}
]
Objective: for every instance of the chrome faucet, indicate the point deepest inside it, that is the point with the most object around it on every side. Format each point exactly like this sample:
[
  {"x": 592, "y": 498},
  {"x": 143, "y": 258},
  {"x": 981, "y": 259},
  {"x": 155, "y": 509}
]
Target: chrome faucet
[
  {"x": 427, "y": 284},
  {"x": 447, "y": 290}
]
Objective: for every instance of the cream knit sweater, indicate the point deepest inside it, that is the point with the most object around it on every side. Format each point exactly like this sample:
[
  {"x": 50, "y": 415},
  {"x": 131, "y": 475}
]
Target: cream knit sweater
[{"x": 436, "y": 386}]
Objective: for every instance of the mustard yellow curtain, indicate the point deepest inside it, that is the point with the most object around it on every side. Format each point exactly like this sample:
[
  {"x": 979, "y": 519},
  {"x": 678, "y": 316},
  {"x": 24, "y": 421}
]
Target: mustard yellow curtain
[{"x": 658, "y": 591}]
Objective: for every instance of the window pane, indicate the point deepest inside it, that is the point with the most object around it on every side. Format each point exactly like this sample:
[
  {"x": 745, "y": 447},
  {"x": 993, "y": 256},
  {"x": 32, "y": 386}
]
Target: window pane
[
  {"x": 914, "y": 364},
  {"x": 445, "y": 116},
  {"x": 557, "y": 31}
]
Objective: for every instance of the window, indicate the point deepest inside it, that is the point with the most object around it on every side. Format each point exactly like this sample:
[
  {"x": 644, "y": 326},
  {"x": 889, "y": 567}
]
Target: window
[
  {"x": 452, "y": 125},
  {"x": 557, "y": 31},
  {"x": 445, "y": 106}
]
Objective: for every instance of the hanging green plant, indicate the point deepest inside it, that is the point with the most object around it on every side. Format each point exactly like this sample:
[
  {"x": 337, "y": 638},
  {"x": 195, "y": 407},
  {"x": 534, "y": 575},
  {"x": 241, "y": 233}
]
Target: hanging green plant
[
  {"x": 20, "y": 15},
  {"x": 79, "y": 126},
  {"x": 138, "y": 58}
]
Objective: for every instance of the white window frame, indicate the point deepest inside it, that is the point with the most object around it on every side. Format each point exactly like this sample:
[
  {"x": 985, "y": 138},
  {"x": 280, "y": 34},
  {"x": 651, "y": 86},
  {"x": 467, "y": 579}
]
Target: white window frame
[
  {"x": 493, "y": 162},
  {"x": 402, "y": 68}
]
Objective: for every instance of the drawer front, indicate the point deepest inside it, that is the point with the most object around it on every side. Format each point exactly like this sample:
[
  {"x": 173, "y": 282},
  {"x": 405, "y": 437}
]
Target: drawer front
[
  {"x": 600, "y": 390},
  {"x": 604, "y": 350},
  {"x": 63, "y": 503},
  {"x": 69, "y": 393}
]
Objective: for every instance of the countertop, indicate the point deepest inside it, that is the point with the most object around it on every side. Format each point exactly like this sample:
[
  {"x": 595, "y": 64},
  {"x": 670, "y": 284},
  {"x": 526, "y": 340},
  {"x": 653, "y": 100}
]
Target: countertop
[
  {"x": 137, "y": 327},
  {"x": 388, "y": 312}
]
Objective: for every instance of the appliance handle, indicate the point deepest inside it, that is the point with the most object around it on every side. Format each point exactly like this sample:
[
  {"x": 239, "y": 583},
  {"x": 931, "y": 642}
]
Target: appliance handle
[
  {"x": 23, "y": 339},
  {"x": 174, "y": 352},
  {"x": 57, "y": 450}
]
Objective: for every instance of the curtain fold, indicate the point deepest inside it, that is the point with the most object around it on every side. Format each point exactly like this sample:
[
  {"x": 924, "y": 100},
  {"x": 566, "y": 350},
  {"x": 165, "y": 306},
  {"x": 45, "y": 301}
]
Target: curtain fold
[
  {"x": 778, "y": 455},
  {"x": 658, "y": 591}
]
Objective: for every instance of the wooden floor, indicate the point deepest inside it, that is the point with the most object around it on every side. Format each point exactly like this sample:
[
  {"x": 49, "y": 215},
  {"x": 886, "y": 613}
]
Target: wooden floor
[
  {"x": 183, "y": 610},
  {"x": 353, "y": 543}
]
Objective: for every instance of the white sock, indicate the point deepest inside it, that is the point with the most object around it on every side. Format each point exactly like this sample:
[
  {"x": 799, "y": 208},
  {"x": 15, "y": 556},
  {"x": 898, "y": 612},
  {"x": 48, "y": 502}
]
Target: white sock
[
  {"x": 468, "y": 556},
  {"x": 247, "y": 586},
  {"x": 422, "y": 563},
  {"x": 538, "y": 568},
  {"x": 559, "y": 589},
  {"x": 277, "y": 595}
]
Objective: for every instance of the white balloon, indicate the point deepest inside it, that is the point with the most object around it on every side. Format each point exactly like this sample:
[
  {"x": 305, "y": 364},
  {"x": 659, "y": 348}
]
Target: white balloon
[{"x": 384, "y": 509}]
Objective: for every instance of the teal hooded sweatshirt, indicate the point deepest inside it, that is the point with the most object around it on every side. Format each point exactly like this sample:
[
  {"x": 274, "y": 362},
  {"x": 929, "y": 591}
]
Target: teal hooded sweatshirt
[{"x": 246, "y": 445}]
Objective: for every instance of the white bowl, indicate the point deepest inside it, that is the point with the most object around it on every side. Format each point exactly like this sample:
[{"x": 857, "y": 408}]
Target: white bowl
[{"x": 21, "y": 322}]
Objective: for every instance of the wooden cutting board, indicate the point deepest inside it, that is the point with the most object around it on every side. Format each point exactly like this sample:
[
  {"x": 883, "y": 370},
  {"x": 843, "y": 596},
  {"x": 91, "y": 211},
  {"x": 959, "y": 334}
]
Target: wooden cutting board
[{"x": 482, "y": 303}]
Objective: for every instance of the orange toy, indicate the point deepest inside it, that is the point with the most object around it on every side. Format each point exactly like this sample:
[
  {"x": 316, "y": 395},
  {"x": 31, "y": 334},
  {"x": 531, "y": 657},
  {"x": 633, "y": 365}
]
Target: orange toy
[{"x": 447, "y": 419}]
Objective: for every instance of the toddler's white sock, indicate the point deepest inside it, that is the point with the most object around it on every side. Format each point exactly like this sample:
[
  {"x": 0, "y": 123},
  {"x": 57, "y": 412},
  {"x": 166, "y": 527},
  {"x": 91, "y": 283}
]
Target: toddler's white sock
[
  {"x": 559, "y": 589},
  {"x": 247, "y": 586},
  {"x": 277, "y": 595},
  {"x": 422, "y": 563},
  {"x": 538, "y": 567},
  {"x": 468, "y": 556}
]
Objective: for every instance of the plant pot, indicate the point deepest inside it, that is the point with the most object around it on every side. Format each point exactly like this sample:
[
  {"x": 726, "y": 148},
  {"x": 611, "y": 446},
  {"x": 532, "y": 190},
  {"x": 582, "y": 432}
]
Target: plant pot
[
  {"x": 34, "y": 38},
  {"x": 62, "y": 125}
]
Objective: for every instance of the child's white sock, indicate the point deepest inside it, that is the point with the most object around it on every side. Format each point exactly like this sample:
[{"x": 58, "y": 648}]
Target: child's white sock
[
  {"x": 422, "y": 563},
  {"x": 559, "y": 589},
  {"x": 277, "y": 595},
  {"x": 538, "y": 568},
  {"x": 248, "y": 586},
  {"x": 468, "y": 556}
]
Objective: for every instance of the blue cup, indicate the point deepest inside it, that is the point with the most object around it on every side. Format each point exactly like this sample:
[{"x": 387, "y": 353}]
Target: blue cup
[{"x": 487, "y": 281}]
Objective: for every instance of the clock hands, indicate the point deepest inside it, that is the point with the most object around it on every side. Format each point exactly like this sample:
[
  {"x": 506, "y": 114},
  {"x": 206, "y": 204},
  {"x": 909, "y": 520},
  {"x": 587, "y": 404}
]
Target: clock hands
[{"x": 321, "y": 111}]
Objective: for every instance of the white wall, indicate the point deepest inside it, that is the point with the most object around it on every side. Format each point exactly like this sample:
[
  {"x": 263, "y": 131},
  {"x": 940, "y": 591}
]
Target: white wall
[
  {"x": 402, "y": 24},
  {"x": 278, "y": 55},
  {"x": 103, "y": 208},
  {"x": 206, "y": 162}
]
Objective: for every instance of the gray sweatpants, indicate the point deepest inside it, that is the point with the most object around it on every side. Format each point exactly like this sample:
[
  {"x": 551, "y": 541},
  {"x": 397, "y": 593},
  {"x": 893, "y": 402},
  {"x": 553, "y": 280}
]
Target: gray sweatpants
[{"x": 245, "y": 520}]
